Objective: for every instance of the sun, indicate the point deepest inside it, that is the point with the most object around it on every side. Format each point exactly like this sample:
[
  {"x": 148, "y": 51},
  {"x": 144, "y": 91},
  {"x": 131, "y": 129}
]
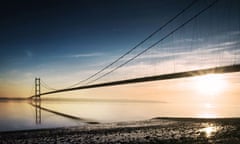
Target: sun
[{"x": 211, "y": 84}]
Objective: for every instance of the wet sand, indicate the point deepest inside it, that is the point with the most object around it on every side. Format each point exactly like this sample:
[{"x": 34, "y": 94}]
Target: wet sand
[{"x": 157, "y": 130}]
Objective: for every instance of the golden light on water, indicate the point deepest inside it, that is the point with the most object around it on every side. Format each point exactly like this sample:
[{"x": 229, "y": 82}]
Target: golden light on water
[
  {"x": 207, "y": 115},
  {"x": 209, "y": 130},
  {"x": 211, "y": 84},
  {"x": 208, "y": 111}
]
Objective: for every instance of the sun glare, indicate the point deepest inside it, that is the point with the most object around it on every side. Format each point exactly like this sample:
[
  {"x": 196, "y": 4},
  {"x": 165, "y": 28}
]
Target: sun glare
[{"x": 211, "y": 84}]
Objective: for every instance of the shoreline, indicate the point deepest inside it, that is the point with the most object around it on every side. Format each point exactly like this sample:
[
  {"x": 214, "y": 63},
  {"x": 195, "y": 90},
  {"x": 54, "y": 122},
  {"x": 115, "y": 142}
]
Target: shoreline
[{"x": 156, "y": 130}]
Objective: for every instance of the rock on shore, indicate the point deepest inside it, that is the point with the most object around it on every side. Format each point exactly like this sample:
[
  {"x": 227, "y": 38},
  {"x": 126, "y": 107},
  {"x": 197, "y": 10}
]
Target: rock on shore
[{"x": 158, "y": 130}]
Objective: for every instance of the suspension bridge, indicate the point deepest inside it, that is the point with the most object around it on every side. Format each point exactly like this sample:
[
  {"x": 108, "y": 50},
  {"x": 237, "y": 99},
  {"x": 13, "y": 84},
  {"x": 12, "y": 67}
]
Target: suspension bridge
[{"x": 90, "y": 81}]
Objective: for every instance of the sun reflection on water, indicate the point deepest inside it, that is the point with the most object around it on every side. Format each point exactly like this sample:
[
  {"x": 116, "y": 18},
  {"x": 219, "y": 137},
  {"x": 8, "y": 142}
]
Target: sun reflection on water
[{"x": 209, "y": 130}]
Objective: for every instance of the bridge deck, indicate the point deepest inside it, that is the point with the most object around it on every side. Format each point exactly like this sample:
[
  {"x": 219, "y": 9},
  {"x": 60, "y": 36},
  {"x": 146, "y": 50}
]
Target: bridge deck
[{"x": 215, "y": 70}]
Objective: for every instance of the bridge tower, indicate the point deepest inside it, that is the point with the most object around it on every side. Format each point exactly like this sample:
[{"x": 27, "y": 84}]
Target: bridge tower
[
  {"x": 37, "y": 100},
  {"x": 37, "y": 88}
]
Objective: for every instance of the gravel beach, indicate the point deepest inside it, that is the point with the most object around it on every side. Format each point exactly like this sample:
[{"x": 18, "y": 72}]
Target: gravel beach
[{"x": 157, "y": 130}]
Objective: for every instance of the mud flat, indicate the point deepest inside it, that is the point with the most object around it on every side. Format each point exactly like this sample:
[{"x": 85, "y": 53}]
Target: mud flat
[{"x": 157, "y": 130}]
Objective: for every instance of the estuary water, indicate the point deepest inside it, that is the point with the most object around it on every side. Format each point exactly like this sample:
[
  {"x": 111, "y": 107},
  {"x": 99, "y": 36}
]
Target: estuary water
[{"x": 25, "y": 115}]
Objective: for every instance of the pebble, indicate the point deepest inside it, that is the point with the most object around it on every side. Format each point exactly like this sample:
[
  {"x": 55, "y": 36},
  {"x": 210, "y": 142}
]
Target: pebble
[{"x": 181, "y": 131}]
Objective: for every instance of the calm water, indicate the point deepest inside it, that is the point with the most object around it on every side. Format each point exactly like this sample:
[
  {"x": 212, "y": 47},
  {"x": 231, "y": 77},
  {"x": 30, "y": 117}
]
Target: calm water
[{"x": 21, "y": 115}]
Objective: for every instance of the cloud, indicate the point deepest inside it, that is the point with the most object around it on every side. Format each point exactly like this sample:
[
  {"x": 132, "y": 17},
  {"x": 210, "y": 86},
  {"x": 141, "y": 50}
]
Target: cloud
[
  {"x": 234, "y": 33},
  {"x": 157, "y": 61},
  {"x": 171, "y": 53},
  {"x": 165, "y": 61},
  {"x": 188, "y": 40},
  {"x": 85, "y": 55}
]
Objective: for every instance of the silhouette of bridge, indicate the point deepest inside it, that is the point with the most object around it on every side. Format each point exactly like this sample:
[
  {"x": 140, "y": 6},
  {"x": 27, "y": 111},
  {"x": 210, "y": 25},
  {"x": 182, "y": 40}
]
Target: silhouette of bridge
[
  {"x": 227, "y": 68},
  {"x": 216, "y": 70}
]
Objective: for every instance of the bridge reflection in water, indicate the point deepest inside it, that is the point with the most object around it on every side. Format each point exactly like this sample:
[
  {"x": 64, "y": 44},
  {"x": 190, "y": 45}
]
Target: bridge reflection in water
[
  {"x": 38, "y": 117},
  {"x": 37, "y": 105}
]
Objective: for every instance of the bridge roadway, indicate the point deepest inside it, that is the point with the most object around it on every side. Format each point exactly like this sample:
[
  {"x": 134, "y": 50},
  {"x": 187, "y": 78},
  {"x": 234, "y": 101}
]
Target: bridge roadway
[{"x": 215, "y": 70}]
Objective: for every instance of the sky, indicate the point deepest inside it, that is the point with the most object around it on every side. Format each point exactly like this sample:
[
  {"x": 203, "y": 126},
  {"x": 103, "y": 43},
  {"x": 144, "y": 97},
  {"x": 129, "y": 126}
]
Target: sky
[{"x": 64, "y": 42}]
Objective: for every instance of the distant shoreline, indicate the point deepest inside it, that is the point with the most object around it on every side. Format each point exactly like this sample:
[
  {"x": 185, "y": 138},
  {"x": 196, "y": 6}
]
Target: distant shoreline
[
  {"x": 83, "y": 99},
  {"x": 156, "y": 130},
  {"x": 15, "y": 98}
]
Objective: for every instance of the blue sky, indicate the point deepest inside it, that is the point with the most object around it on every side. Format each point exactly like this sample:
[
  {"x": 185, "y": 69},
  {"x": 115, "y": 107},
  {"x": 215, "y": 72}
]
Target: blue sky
[{"x": 66, "y": 41}]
